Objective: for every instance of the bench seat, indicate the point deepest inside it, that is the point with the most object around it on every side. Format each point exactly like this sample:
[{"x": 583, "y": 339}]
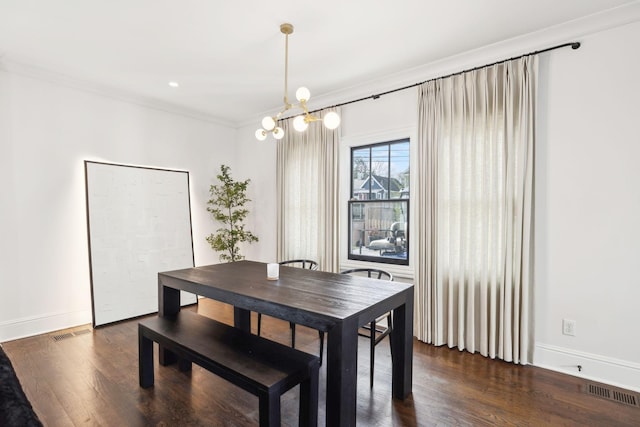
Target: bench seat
[{"x": 264, "y": 368}]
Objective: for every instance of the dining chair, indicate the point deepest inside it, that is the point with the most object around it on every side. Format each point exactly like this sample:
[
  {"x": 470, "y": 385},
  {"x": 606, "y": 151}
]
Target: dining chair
[
  {"x": 376, "y": 330},
  {"x": 300, "y": 263}
]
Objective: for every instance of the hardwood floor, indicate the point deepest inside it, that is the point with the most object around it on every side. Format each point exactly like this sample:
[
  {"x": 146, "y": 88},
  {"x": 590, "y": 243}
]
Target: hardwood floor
[{"x": 92, "y": 379}]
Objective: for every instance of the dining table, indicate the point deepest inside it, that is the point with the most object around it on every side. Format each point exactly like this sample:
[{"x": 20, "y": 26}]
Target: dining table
[{"x": 337, "y": 304}]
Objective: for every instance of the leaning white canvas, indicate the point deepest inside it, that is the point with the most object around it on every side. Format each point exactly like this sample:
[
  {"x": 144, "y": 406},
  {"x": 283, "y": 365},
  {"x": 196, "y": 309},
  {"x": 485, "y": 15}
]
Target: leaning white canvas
[{"x": 139, "y": 224}]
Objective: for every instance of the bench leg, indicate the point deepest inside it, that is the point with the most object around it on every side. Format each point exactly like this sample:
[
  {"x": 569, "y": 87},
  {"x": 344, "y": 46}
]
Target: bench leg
[
  {"x": 309, "y": 400},
  {"x": 184, "y": 365},
  {"x": 145, "y": 360},
  {"x": 269, "y": 409},
  {"x": 166, "y": 357}
]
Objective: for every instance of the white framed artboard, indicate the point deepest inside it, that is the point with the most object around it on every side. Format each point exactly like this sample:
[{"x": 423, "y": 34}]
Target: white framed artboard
[{"x": 139, "y": 224}]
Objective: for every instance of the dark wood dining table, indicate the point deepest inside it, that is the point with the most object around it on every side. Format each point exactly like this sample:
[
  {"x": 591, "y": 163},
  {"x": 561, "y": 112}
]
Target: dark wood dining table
[{"x": 335, "y": 303}]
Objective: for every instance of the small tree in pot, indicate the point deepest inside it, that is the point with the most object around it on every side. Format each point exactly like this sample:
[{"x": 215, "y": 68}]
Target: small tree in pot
[{"x": 227, "y": 206}]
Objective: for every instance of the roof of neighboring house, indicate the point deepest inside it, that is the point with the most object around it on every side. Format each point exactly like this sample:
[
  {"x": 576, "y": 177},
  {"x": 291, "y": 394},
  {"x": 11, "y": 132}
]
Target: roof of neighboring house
[
  {"x": 390, "y": 184},
  {"x": 378, "y": 183}
]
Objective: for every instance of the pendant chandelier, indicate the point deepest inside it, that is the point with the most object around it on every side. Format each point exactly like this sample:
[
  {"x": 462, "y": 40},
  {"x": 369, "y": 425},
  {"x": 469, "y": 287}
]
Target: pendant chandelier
[{"x": 300, "y": 122}]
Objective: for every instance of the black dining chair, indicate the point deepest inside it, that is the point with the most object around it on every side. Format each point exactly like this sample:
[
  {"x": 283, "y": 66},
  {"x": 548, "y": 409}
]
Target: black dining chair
[
  {"x": 300, "y": 263},
  {"x": 376, "y": 330}
]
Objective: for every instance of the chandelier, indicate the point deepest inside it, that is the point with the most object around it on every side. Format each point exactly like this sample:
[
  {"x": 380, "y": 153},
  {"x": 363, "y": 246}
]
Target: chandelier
[{"x": 300, "y": 122}]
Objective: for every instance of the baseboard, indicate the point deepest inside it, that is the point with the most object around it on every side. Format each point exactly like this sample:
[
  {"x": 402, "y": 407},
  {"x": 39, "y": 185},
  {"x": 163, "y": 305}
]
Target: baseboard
[
  {"x": 36, "y": 325},
  {"x": 594, "y": 367}
]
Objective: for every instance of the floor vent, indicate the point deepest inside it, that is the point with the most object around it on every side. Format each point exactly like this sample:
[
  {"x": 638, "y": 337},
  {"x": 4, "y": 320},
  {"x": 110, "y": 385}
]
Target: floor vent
[
  {"x": 66, "y": 335},
  {"x": 617, "y": 395},
  {"x": 62, "y": 336}
]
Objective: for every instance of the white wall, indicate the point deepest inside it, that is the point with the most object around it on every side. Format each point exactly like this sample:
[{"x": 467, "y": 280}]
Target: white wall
[
  {"x": 256, "y": 160},
  {"x": 48, "y": 129},
  {"x": 588, "y": 208},
  {"x": 587, "y": 193}
]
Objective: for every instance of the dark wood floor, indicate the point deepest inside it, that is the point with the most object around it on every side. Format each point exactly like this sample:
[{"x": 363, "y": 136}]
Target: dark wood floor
[{"x": 92, "y": 379}]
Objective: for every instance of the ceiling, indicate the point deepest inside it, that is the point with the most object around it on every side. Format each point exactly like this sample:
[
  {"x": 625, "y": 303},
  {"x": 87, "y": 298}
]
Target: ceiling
[{"x": 228, "y": 56}]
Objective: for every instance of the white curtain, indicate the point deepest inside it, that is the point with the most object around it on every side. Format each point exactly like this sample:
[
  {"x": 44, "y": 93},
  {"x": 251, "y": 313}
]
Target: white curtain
[
  {"x": 307, "y": 180},
  {"x": 475, "y": 206}
]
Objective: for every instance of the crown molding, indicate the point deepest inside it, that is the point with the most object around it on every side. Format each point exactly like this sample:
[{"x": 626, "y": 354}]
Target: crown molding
[{"x": 13, "y": 66}]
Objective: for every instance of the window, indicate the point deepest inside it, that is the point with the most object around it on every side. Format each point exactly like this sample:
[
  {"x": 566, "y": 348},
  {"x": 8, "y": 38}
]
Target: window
[{"x": 379, "y": 203}]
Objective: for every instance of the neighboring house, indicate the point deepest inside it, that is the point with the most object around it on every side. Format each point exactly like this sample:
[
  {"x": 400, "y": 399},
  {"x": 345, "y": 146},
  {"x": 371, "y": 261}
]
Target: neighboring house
[
  {"x": 381, "y": 188},
  {"x": 372, "y": 221},
  {"x": 404, "y": 178}
]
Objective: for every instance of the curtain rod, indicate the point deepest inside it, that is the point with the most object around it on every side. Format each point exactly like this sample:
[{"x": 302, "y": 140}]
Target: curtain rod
[{"x": 574, "y": 46}]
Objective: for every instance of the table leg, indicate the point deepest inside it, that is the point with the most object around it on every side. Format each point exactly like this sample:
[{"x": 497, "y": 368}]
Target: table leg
[
  {"x": 168, "y": 305},
  {"x": 242, "y": 319},
  {"x": 342, "y": 357},
  {"x": 168, "y": 300},
  {"x": 402, "y": 349}
]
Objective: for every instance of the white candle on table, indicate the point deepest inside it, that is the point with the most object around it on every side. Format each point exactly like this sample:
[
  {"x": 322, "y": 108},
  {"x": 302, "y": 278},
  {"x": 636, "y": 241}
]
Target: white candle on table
[{"x": 273, "y": 271}]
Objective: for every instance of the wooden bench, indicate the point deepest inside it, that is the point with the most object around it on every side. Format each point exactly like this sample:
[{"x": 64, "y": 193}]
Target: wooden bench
[{"x": 264, "y": 368}]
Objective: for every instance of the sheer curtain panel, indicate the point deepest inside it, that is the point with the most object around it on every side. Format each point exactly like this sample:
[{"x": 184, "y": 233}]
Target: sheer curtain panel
[
  {"x": 307, "y": 180},
  {"x": 475, "y": 206}
]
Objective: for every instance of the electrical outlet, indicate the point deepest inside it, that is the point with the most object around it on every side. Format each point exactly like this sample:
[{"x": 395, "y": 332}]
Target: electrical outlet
[{"x": 569, "y": 327}]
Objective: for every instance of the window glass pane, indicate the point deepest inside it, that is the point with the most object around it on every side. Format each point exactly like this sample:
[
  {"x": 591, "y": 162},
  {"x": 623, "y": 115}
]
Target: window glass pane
[
  {"x": 380, "y": 172},
  {"x": 379, "y": 231},
  {"x": 360, "y": 168},
  {"x": 400, "y": 169}
]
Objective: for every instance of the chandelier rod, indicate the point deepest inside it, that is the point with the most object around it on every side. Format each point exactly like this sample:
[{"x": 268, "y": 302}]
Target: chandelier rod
[
  {"x": 574, "y": 46},
  {"x": 286, "y": 66}
]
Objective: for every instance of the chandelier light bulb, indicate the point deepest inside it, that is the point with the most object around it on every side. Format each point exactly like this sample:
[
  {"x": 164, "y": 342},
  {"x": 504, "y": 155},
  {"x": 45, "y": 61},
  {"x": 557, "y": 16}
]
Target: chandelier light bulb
[
  {"x": 278, "y": 133},
  {"x": 331, "y": 120},
  {"x": 300, "y": 124},
  {"x": 261, "y": 134},
  {"x": 303, "y": 94},
  {"x": 268, "y": 123}
]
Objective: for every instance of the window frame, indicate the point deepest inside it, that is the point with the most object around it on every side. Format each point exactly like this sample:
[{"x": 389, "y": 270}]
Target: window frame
[{"x": 376, "y": 199}]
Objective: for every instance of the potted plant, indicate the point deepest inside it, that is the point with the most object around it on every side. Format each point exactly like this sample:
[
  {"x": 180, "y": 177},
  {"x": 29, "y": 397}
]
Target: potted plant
[{"x": 227, "y": 207}]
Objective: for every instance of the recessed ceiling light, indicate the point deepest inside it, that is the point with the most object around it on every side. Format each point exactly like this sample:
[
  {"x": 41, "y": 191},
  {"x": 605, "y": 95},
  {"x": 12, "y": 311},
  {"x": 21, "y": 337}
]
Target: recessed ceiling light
[{"x": 173, "y": 84}]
